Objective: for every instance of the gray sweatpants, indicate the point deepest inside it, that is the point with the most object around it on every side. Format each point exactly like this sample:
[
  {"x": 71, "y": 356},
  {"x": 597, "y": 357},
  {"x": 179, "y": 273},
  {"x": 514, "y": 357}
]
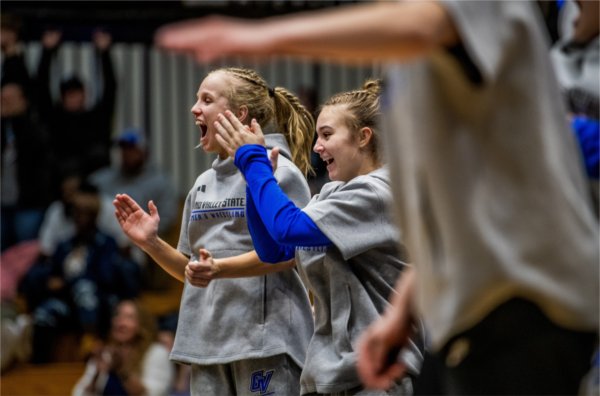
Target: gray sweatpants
[{"x": 275, "y": 375}]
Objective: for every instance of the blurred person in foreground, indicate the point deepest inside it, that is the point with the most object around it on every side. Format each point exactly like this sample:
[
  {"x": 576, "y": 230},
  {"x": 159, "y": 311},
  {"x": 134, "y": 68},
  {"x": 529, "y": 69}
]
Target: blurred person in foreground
[{"x": 489, "y": 186}]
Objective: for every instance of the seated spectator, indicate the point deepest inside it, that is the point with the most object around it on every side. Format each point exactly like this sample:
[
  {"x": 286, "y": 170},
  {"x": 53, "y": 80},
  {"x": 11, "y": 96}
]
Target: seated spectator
[
  {"x": 131, "y": 362},
  {"x": 86, "y": 276},
  {"x": 58, "y": 224},
  {"x": 136, "y": 176}
]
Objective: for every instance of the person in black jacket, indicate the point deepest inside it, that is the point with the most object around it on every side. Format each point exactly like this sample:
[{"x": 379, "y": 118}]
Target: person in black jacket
[
  {"x": 26, "y": 171},
  {"x": 80, "y": 135},
  {"x": 13, "y": 60}
]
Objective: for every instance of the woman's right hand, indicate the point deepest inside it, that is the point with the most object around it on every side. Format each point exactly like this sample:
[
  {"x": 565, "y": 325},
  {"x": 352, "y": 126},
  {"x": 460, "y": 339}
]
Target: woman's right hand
[{"x": 139, "y": 226}]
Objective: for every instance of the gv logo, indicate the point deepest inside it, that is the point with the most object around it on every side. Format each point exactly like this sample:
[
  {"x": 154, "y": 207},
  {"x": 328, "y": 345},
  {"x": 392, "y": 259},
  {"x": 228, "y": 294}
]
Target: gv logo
[{"x": 259, "y": 382}]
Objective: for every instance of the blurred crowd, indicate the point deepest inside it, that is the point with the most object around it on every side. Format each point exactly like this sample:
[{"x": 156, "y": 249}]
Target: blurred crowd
[{"x": 67, "y": 269}]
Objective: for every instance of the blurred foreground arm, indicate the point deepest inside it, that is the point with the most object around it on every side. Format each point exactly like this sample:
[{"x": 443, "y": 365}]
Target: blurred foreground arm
[{"x": 353, "y": 33}]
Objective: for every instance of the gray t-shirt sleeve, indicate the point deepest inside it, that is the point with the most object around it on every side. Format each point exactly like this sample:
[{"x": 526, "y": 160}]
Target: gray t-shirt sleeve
[
  {"x": 353, "y": 217},
  {"x": 184, "y": 241}
]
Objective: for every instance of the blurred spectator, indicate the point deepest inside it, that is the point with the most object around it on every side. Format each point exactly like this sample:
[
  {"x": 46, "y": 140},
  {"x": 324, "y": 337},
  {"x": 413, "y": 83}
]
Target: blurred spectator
[
  {"x": 15, "y": 326},
  {"x": 15, "y": 338},
  {"x": 576, "y": 59},
  {"x": 80, "y": 135},
  {"x": 86, "y": 277},
  {"x": 139, "y": 178},
  {"x": 132, "y": 362},
  {"x": 58, "y": 224},
  {"x": 26, "y": 174},
  {"x": 167, "y": 327},
  {"x": 142, "y": 180},
  {"x": 13, "y": 62}
]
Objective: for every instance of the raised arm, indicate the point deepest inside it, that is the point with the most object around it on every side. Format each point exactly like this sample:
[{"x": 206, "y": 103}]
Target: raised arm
[
  {"x": 102, "y": 43},
  {"x": 50, "y": 43},
  {"x": 286, "y": 223},
  {"x": 363, "y": 32}
]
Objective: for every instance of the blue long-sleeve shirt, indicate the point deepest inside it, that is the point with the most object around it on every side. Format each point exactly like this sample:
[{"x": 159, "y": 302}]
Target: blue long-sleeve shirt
[{"x": 276, "y": 225}]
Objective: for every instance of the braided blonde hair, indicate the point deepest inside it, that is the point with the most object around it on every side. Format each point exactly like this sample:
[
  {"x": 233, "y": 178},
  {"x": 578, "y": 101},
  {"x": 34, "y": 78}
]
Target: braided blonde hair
[
  {"x": 363, "y": 108},
  {"x": 277, "y": 108}
]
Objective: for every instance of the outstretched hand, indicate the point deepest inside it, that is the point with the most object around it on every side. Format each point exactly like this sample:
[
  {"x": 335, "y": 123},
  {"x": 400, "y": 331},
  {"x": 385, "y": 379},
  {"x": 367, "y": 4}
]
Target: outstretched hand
[
  {"x": 200, "y": 273},
  {"x": 139, "y": 226},
  {"x": 211, "y": 37},
  {"x": 232, "y": 134}
]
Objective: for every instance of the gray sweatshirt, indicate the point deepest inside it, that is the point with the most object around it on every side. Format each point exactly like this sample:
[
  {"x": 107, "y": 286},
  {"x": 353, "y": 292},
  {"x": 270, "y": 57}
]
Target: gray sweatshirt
[
  {"x": 236, "y": 319},
  {"x": 352, "y": 279}
]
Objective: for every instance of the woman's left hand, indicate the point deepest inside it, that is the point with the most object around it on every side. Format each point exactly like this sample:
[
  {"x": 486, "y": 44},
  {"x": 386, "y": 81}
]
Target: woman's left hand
[{"x": 233, "y": 134}]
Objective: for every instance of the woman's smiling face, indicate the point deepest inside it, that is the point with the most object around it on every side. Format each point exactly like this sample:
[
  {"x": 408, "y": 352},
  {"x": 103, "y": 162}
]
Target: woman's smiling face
[
  {"x": 212, "y": 100},
  {"x": 336, "y": 145}
]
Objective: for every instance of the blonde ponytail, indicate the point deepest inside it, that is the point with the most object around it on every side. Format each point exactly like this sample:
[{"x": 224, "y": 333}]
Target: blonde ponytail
[{"x": 277, "y": 107}]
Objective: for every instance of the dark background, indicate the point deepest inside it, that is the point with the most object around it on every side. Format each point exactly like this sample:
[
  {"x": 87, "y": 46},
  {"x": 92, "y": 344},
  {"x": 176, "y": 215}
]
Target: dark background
[{"x": 135, "y": 21}]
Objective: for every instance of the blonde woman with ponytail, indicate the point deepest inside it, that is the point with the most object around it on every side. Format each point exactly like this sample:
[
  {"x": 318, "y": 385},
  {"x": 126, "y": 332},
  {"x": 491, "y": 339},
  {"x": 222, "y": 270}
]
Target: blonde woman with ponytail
[
  {"x": 242, "y": 336},
  {"x": 344, "y": 241}
]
